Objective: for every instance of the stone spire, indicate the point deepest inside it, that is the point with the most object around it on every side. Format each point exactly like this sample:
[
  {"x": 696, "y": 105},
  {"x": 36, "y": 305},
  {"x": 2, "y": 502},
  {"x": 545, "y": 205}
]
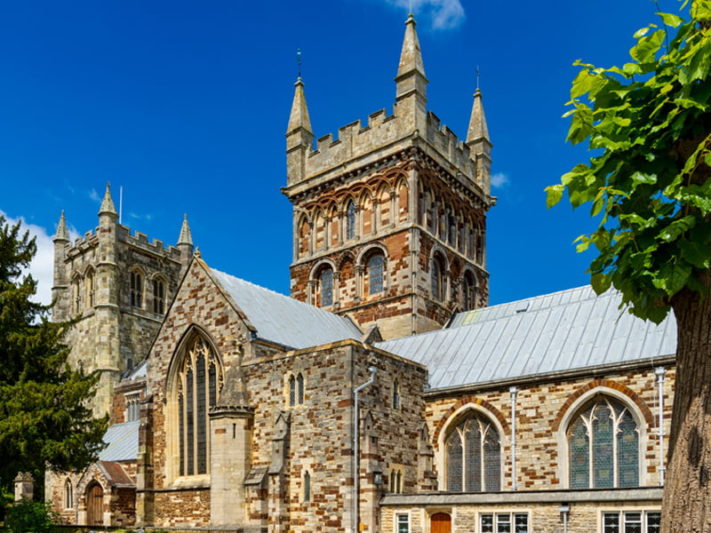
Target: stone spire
[
  {"x": 62, "y": 232},
  {"x": 186, "y": 236},
  {"x": 299, "y": 117},
  {"x": 411, "y": 69},
  {"x": 299, "y": 136},
  {"x": 478, "y": 129},
  {"x": 107, "y": 204}
]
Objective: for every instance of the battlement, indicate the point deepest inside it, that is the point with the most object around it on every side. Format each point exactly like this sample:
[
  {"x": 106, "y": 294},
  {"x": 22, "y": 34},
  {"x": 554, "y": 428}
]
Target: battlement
[
  {"x": 384, "y": 133},
  {"x": 138, "y": 239}
]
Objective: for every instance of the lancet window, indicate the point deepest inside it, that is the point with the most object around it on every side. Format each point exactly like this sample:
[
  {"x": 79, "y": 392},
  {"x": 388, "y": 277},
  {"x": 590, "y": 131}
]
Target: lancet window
[
  {"x": 473, "y": 449},
  {"x": 198, "y": 385},
  {"x": 350, "y": 220},
  {"x": 158, "y": 296},
  {"x": 603, "y": 446},
  {"x": 376, "y": 272},
  {"x": 136, "y": 289}
]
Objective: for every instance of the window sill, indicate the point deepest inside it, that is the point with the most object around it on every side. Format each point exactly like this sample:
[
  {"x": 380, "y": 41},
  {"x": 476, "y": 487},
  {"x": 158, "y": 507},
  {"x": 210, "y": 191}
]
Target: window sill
[{"x": 191, "y": 482}]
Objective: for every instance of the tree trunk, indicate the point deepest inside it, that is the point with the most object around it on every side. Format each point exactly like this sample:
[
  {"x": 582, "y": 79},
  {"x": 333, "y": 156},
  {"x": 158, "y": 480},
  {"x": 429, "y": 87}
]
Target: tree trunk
[{"x": 687, "y": 495}]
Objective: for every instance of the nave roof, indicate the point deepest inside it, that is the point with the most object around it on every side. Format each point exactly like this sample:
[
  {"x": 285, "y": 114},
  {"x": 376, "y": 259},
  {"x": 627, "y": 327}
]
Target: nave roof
[{"x": 562, "y": 331}]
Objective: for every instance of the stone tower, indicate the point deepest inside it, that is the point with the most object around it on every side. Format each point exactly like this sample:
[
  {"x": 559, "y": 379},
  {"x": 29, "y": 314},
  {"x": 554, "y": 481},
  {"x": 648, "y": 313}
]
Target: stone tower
[
  {"x": 390, "y": 217},
  {"x": 120, "y": 286}
]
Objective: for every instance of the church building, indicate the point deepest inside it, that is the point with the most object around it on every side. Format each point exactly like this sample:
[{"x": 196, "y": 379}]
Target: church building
[{"x": 384, "y": 394}]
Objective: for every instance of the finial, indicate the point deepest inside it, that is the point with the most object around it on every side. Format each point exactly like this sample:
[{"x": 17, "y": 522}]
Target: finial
[
  {"x": 107, "y": 204},
  {"x": 478, "y": 129},
  {"x": 478, "y": 75},
  {"x": 299, "y": 115},
  {"x": 197, "y": 253},
  {"x": 186, "y": 236},
  {"x": 298, "y": 62}
]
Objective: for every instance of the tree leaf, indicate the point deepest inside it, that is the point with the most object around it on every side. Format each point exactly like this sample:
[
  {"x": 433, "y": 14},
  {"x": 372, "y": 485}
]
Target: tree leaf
[
  {"x": 670, "y": 19},
  {"x": 554, "y": 193}
]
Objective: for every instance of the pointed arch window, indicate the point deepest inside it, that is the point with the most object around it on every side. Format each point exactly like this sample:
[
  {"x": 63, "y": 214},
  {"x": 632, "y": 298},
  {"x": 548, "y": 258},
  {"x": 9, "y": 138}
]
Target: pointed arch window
[
  {"x": 76, "y": 295},
  {"x": 158, "y": 296},
  {"x": 296, "y": 389},
  {"x": 90, "y": 289},
  {"x": 68, "y": 495},
  {"x": 473, "y": 450},
  {"x": 603, "y": 446},
  {"x": 350, "y": 220},
  {"x": 307, "y": 486},
  {"x": 376, "y": 272},
  {"x": 437, "y": 275},
  {"x": 136, "y": 289},
  {"x": 198, "y": 385},
  {"x": 326, "y": 287},
  {"x": 468, "y": 291}
]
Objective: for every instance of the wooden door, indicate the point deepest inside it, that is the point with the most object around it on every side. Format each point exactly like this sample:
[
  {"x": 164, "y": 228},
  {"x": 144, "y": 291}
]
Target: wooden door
[
  {"x": 95, "y": 505},
  {"x": 441, "y": 523}
]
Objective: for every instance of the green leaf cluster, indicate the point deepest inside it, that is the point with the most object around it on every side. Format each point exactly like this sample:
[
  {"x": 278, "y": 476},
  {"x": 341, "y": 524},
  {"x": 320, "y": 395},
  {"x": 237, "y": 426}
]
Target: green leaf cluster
[
  {"x": 648, "y": 124},
  {"x": 45, "y": 405}
]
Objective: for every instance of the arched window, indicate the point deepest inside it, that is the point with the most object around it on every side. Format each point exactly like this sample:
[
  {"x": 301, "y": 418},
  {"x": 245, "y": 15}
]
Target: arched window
[
  {"x": 468, "y": 291},
  {"x": 76, "y": 295},
  {"x": 350, "y": 220},
  {"x": 68, "y": 495},
  {"x": 603, "y": 446},
  {"x": 325, "y": 282},
  {"x": 197, "y": 386},
  {"x": 300, "y": 389},
  {"x": 158, "y": 296},
  {"x": 452, "y": 230},
  {"x": 307, "y": 486},
  {"x": 136, "y": 289},
  {"x": 296, "y": 390},
  {"x": 89, "y": 283},
  {"x": 396, "y": 481},
  {"x": 437, "y": 274},
  {"x": 473, "y": 452},
  {"x": 376, "y": 271},
  {"x": 481, "y": 245}
]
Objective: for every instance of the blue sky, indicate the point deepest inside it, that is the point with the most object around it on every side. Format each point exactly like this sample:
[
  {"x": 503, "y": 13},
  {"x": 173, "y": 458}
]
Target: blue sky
[{"x": 185, "y": 104}]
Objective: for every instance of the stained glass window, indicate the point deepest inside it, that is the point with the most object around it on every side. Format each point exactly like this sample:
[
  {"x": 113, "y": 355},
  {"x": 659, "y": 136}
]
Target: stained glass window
[
  {"x": 437, "y": 274},
  {"x": 603, "y": 446},
  {"x": 326, "y": 287},
  {"x": 300, "y": 389},
  {"x": 376, "y": 267},
  {"x": 473, "y": 456},
  {"x": 197, "y": 390},
  {"x": 292, "y": 390},
  {"x": 68, "y": 495}
]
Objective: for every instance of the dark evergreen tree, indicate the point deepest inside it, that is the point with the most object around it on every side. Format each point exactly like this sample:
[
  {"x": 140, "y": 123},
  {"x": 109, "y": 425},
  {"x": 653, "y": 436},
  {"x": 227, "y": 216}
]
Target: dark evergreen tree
[{"x": 45, "y": 405}]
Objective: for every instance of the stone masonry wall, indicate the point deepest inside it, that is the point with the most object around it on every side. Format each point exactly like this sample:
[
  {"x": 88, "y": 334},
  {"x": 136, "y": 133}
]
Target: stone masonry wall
[{"x": 541, "y": 412}]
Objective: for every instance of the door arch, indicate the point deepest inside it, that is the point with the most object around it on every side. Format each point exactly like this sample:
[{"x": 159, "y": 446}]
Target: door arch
[
  {"x": 441, "y": 523},
  {"x": 94, "y": 505}
]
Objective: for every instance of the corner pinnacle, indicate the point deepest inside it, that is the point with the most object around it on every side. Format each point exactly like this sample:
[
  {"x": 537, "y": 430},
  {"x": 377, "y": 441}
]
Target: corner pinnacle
[
  {"x": 107, "y": 204},
  {"x": 62, "y": 232},
  {"x": 186, "y": 236},
  {"x": 299, "y": 116}
]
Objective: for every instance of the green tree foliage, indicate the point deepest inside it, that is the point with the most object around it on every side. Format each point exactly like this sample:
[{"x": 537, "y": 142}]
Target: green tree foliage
[
  {"x": 45, "y": 406},
  {"x": 30, "y": 517},
  {"x": 648, "y": 123}
]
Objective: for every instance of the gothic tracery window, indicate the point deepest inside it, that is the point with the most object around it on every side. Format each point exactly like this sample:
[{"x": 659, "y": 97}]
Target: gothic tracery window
[
  {"x": 198, "y": 383},
  {"x": 473, "y": 450},
  {"x": 468, "y": 291},
  {"x": 90, "y": 289},
  {"x": 603, "y": 446},
  {"x": 68, "y": 495}
]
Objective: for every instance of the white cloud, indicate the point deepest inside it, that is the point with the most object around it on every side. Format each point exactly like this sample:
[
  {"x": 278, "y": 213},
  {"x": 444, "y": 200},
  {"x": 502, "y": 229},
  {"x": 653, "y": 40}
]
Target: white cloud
[
  {"x": 147, "y": 217},
  {"x": 499, "y": 180},
  {"x": 42, "y": 265},
  {"x": 445, "y": 14},
  {"x": 94, "y": 196}
]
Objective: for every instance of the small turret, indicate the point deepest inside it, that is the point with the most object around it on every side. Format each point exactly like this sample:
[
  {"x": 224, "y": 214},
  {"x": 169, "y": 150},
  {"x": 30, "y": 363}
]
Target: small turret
[
  {"x": 185, "y": 243},
  {"x": 299, "y": 136},
  {"x": 60, "y": 286},
  {"x": 411, "y": 82},
  {"x": 107, "y": 204},
  {"x": 479, "y": 142}
]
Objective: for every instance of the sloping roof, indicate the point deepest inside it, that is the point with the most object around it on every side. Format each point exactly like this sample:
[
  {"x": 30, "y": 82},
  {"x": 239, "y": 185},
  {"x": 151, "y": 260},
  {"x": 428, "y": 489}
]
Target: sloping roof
[
  {"x": 283, "y": 320},
  {"x": 122, "y": 440},
  {"x": 116, "y": 474},
  {"x": 566, "y": 330}
]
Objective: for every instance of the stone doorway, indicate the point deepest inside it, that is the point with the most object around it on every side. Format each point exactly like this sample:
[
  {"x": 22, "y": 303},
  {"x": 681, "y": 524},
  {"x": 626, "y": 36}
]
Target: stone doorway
[
  {"x": 94, "y": 505},
  {"x": 440, "y": 523}
]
